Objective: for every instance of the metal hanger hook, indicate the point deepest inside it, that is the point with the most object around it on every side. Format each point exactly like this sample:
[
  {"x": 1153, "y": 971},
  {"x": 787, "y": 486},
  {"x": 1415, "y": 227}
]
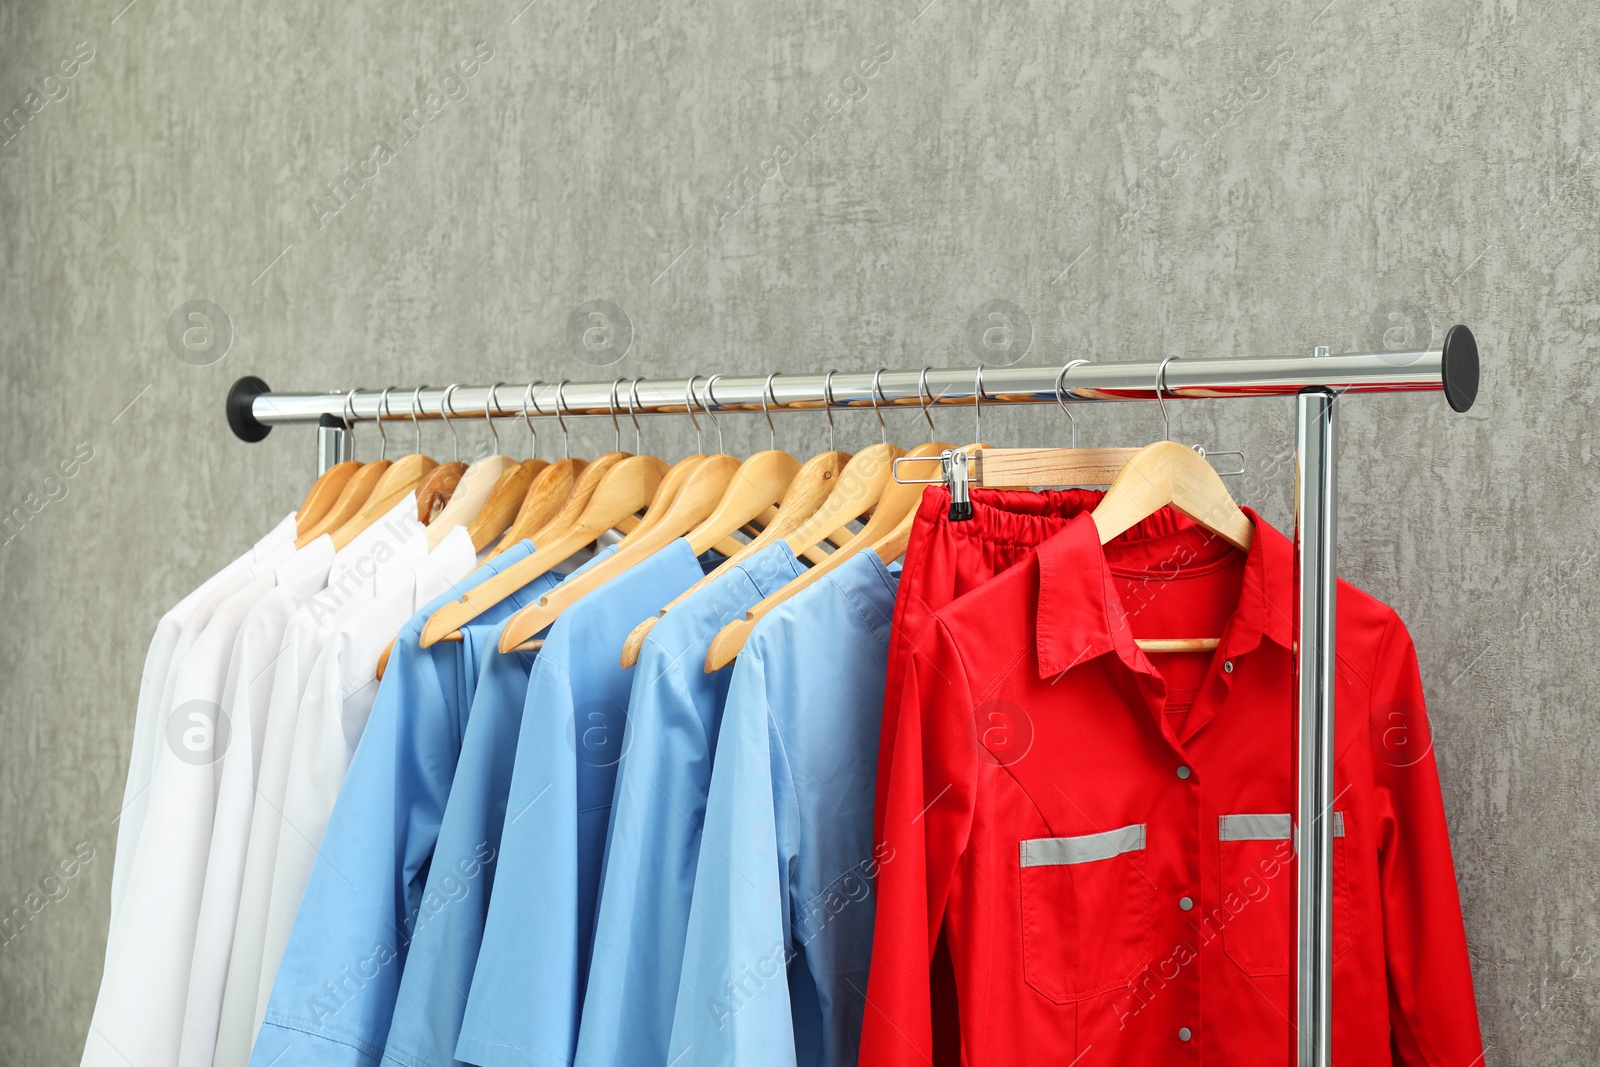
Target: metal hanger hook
[
  {"x": 716, "y": 421},
  {"x": 383, "y": 412},
  {"x": 350, "y": 417},
  {"x": 616, "y": 427},
  {"x": 416, "y": 412},
  {"x": 492, "y": 401},
  {"x": 633, "y": 417},
  {"x": 766, "y": 396},
  {"x": 1161, "y": 385},
  {"x": 527, "y": 400},
  {"x": 877, "y": 395},
  {"x": 566, "y": 435},
  {"x": 688, "y": 409},
  {"x": 448, "y": 410},
  {"x": 977, "y": 405},
  {"x": 925, "y": 397},
  {"x": 827, "y": 405},
  {"x": 1060, "y": 402}
]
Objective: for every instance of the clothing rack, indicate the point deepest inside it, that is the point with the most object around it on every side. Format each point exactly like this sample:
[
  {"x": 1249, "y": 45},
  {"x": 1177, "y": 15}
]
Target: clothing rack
[{"x": 1317, "y": 382}]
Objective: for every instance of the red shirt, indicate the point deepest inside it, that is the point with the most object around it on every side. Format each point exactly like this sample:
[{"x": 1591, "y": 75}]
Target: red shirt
[{"x": 1104, "y": 835}]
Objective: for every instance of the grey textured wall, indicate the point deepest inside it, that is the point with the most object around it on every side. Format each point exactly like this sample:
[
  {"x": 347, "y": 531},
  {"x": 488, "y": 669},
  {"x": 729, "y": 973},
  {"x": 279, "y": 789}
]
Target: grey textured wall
[{"x": 1185, "y": 178}]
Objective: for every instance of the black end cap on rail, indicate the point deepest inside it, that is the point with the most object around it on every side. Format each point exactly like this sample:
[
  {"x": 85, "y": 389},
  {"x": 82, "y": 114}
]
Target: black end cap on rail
[
  {"x": 241, "y": 416},
  {"x": 1459, "y": 367}
]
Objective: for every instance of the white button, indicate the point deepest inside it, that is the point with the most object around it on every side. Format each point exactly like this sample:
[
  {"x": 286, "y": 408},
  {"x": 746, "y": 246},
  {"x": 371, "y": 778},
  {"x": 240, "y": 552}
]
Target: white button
[
  {"x": 1185, "y": 903},
  {"x": 1183, "y": 1033},
  {"x": 1183, "y": 772},
  {"x": 1227, "y": 665}
]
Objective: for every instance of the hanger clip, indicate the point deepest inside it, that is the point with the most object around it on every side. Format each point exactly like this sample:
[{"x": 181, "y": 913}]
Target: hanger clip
[{"x": 958, "y": 479}]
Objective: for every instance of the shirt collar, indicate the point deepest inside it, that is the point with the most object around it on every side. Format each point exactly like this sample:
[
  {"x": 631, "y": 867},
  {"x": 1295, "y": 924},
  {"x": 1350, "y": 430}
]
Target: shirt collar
[{"x": 1081, "y": 614}]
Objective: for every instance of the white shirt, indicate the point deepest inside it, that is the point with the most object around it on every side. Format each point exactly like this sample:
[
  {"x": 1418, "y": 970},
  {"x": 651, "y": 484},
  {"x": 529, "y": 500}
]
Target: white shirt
[
  {"x": 333, "y": 714},
  {"x": 350, "y": 579},
  {"x": 246, "y": 699},
  {"x": 180, "y": 624},
  {"x": 138, "y": 1015}
]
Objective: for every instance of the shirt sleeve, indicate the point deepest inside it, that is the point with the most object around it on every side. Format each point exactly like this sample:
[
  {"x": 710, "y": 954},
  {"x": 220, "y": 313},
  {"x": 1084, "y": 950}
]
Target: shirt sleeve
[
  {"x": 733, "y": 994},
  {"x": 933, "y": 780},
  {"x": 335, "y": 988},
  {"x": 1433, "y": 1017}
]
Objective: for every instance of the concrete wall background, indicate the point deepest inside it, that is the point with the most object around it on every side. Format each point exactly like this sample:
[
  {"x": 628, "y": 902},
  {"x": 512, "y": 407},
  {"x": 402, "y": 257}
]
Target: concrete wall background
[{"x": 1176, "y": 178}]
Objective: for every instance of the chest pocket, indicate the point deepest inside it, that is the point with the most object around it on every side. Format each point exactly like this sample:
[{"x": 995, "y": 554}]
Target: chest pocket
[
  {"x": 1257, "y": 868},
  {"x": 1087, "y": 909}
]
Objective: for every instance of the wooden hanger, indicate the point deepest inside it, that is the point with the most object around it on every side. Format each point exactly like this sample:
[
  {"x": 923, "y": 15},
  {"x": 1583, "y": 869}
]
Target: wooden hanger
[
  {"x": 498, "y": 511},
  {"x": 807, "y": 490},
  {"x": 1024, "y": 468},
  {"x": 672, "y": 483},
  {"x": 583, "y": 490},
  {"x": 625, "y": 488},
  {"x": 477, "y": 481},
  {"x": 436, "y": 489},
  {"x": 329, "y": 490},
  {"x": 357, "y": 491},
  {"x": 567, "y": 508},
  {"x": 1169, "y": 473},
  {"x": 684, "y": 515},
  {"x": 589, "y": 478},
  {"x": 402, "y": 477},
  {"x": 472, "y": 492},
  {"x": 324, "y": 493},
  {"x": 890, "y": 503},
  {"x": 1019, "y": 469},
  {"x": 550, "y": 489},
  {"x": 758, "y": 484},
  {"x": 504, "y": 503}
]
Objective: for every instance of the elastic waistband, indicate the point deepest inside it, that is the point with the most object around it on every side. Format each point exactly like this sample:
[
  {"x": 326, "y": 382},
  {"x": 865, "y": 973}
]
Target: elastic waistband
[{"x": 1029, "y": 518}]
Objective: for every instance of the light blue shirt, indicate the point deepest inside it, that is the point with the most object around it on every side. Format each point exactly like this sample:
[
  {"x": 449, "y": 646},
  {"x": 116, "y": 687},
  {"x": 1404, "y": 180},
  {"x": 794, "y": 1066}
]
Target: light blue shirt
[
  {"x": 438, "y": 972},
  {"x": 527, "y": 990},
  {"x": 335, "y": 989},
  {"x": 674, "y": 711},
  {"x": 444, "y": 950},
  {"x": 780, "y": 930}
]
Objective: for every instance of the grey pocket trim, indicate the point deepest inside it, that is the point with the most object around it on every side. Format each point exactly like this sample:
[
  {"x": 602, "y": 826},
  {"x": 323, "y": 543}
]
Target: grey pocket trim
[
  {"x": 1086, "y": 848},
  {"x": 1265, "y": 827}
]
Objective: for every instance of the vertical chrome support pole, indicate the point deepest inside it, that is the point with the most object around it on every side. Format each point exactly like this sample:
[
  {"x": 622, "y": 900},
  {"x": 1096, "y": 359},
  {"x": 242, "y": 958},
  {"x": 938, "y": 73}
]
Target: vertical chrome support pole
[
  {"x": 1316, "y": 492},
  {"x": 334, "y": 443}
]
